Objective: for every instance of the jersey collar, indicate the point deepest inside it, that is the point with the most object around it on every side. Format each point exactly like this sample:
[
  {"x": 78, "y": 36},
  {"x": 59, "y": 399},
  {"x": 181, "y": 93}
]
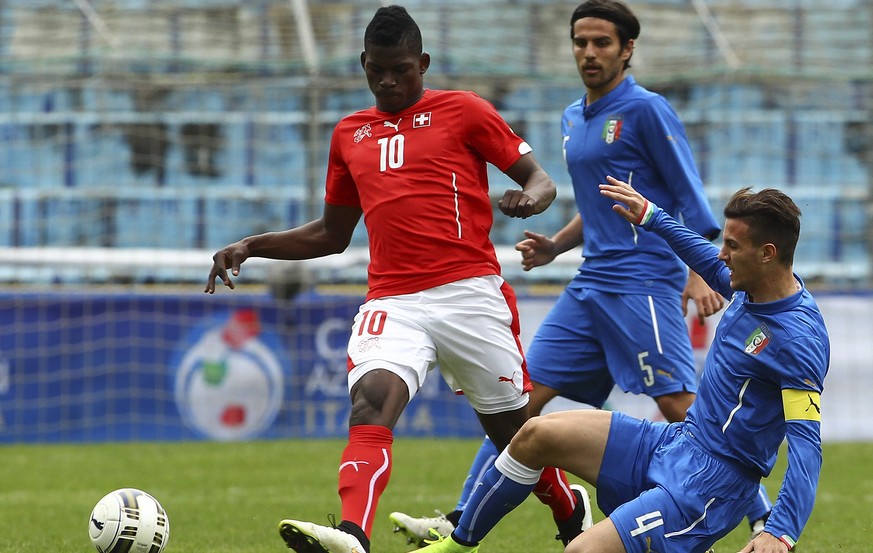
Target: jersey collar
[{"x": 589, "y": 111}]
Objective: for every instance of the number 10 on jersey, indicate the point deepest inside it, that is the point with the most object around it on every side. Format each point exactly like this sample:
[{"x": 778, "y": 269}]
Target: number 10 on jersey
[{"x": 391, "y": 152}]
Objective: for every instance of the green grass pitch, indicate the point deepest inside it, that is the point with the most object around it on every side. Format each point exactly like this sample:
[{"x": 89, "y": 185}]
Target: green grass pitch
[{"x": 229, "y": 497}]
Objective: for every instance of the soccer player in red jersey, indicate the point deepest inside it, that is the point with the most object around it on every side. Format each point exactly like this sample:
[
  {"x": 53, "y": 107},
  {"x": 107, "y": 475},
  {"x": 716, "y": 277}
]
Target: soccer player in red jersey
[{"x": 414, "y": 166}]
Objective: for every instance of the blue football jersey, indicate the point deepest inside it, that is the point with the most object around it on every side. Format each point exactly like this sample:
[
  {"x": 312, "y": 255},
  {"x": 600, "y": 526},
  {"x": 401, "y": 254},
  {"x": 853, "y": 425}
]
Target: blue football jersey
[
  {"x": 634, "y": 135},
  {"x": 762, "y": 382}
]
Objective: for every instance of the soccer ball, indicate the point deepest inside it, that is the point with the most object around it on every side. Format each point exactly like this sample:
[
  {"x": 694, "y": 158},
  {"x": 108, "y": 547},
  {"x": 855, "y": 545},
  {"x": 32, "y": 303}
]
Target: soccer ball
[{"x": 129, "y": 520}]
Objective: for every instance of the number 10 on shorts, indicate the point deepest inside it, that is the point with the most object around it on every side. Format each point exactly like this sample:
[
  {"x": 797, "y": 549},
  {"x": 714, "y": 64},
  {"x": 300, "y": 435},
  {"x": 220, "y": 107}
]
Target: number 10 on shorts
[{"x": 372, "y": 323}]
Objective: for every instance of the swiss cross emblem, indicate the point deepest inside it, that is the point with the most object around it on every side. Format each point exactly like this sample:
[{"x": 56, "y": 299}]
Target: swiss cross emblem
[
  {"x": 421, "y": 120},
  {"x": 363, "y": 132}
]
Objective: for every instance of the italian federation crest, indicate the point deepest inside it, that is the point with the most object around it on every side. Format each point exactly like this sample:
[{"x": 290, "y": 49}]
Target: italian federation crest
[
  {"x": 229, "y": 382},
  {"x": 612, "y": 129}
]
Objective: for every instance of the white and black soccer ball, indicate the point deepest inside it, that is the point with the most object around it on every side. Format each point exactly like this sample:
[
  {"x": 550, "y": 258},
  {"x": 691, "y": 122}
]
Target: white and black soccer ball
[{"x": 129, "y": 521}]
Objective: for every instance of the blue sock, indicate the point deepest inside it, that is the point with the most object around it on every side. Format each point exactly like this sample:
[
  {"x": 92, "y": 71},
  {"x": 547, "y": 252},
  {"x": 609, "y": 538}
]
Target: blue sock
[
  {"x": 503, "y": 487},
  {"x": 482, "y": 462},
  {"x": 761, "y": 506}
]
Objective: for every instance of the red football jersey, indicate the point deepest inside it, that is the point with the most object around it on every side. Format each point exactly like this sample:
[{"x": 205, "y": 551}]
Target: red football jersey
[{"x": 420, "y": 178}]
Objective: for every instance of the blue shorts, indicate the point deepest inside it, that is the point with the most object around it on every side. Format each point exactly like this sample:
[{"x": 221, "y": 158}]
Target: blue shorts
[
  {"x": 664, "y": 493},
  {"x": 592, "y": 340}
]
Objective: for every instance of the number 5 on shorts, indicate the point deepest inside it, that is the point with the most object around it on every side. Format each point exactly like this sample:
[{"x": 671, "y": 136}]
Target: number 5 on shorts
[{"x": 649, "y": 374}]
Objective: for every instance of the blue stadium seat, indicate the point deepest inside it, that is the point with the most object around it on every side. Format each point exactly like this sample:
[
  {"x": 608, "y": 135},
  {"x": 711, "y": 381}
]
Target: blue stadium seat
[
  {"x": 7, "y": 218},
  {"x": 276, "y": 98},
  {"x": 14, "y": 155},
  {"x": 853, "y": 232},
  {"x": 233, "y": 159},
  {"x": 74, "y": 221},
  {"x": 349, "y": 100},
  {"x": 521, "y": 98},
  {"x": 559, "y": 97},
  {"x": 279, "y": 156},
  {"x": 104, "y": 160},
  {"x": 155, "y": 219},
  {"x": 57, "y": 220},
  {"x": 720, "y": 97},
  {"x": 229, "y": 217}
]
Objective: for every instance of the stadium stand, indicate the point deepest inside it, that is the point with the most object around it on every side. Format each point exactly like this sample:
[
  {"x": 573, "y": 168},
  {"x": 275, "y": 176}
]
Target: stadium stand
[{"x": 190, "y": 123}]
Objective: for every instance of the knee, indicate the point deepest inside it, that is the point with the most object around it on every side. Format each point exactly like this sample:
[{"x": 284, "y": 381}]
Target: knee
[
  {"x": 530, "y": 441},
  {"x": 379, "y": 399}
]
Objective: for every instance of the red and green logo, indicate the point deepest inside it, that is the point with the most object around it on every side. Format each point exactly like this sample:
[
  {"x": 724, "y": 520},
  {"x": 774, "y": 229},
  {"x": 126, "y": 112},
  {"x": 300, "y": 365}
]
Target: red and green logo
[
  {"x": 758, "y": 340},
  {"x": 612, "y": 129}
]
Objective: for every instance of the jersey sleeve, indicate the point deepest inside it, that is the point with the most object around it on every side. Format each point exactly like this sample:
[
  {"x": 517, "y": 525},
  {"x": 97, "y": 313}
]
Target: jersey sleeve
[
  {"x": 490, "y": 135},
  {"x": 695, "y": 251},
  {"x": 797, "y": 495},
  {"x": 675, "y": 162},
  {"x": 802, "y": 363},
  {"x": 340, "y": 187}
]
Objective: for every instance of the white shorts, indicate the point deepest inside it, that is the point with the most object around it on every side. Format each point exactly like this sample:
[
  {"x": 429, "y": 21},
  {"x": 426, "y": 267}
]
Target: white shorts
[{"x": 468, "y": 328}]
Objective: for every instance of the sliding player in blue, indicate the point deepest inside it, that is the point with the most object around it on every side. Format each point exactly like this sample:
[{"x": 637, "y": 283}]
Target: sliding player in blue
[{"x": 680, "y": 487}]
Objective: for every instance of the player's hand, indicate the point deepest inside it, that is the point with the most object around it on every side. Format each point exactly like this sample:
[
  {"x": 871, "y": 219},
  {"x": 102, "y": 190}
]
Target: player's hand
[
  {"x": 632, "y": 205},
  {"x": 519, "y": 204},
  {"x": 231, "y": 257},
  {"x": 707, "y": 300},
  {"x": 536, "y": 250},
  {"x": 765, "y": 543}
]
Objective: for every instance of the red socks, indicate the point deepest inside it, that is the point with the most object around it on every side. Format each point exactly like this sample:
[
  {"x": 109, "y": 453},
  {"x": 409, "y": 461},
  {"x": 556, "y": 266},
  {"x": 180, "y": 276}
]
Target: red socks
[
  {"x": 553, "y": 489},
  {"x": 364, "y": 472},
  {"x": 366, "y": 467}
]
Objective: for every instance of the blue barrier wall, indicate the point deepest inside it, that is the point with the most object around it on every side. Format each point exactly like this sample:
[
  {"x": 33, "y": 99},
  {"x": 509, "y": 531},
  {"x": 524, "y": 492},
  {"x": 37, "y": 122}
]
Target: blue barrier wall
[
  {"x": 145, "y": 366},
  {"x": 118, "y": 367}
]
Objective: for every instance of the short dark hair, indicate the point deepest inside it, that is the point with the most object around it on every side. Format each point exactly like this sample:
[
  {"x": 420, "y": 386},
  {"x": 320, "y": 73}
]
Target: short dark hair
[
  {"x": 626, "y": 23},
  {"x": 393, "y": 26},
  {"x": 772, "y": 217}
]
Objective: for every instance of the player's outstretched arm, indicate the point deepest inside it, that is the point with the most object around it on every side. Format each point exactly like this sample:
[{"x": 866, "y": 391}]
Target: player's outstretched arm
[
  {"x": 229, "y": 257},
  {"x": 765, "y": 543},
  {"x": 707, "y": 300},
  {"x": 537, "y": 193},
  {"x": 696, "y": 251},
  {"x": 327, "y": 235},
  {"x": 631, "y": 204},
  {"x": 538, "y": 249}
]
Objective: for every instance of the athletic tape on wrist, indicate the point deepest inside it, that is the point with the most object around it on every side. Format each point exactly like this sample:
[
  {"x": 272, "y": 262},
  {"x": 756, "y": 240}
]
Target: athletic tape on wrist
[{"x": 648, "y": 211}]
